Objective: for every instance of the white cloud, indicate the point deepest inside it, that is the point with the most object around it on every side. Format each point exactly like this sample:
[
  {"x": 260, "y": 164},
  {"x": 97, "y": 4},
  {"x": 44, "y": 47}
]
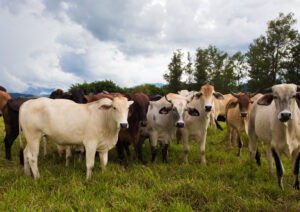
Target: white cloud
[{"x": 53, "y": 43}]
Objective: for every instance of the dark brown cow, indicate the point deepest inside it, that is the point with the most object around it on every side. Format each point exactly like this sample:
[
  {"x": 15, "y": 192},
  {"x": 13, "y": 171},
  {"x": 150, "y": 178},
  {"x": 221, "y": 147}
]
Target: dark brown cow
[
  {"x": 2, "y": 88},
  {"x": 136, "y": 119},
  {"x": 77, "y": 95},
  {"x": 11, "y": 120},
  {"x": 237, "y": 116}
]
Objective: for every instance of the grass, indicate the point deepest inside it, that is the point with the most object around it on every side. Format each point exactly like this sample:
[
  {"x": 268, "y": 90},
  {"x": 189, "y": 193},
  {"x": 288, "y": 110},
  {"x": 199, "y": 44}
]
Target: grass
[{"x": 226, "y": 183}]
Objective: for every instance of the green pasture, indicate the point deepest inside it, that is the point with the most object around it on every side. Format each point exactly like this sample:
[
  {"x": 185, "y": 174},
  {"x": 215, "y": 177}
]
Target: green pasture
[{"x": 226, "y": 183}]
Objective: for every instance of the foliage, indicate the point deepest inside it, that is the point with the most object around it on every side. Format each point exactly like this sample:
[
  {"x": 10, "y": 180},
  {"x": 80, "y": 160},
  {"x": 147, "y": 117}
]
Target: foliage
[
  {"x": 146, "y": 88},
  {"x": 97, "y": 87},
  {"x": 173, "y": 77}
]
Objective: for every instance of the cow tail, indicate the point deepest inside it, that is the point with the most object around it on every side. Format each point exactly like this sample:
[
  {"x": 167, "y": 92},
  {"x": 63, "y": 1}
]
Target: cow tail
[
  {"x": 21, "y": 146},
  {"x": 218, "y": 125}
]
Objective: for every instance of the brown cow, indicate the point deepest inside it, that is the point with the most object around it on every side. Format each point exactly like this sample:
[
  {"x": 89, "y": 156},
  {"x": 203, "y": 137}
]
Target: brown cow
[
  {"x": 237, "y": 116},
  {"x": 136, "y": 119},
  {"x": 4, "y": 97},
  {"x": 11, "y": 121}
]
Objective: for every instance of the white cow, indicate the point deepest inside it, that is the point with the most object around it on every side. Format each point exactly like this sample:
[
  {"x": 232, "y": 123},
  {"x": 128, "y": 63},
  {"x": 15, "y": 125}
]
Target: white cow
[
  {"x": 196, "y": 126},
  {"x": 275, "y": 119},
  {"x": 163, "y": 118},
  {"x": 95, "y": 125}
]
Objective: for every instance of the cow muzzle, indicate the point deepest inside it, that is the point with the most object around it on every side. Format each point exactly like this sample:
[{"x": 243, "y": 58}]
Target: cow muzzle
[
  {"x": 143, "y": 123},
  {"x": 208, "y": 108},
  {"x": 180, "y": 124},
  {"x": 285, "y": 116},
  {"x": 244, "y": 115},
  {"x": 123, "y": 125}
]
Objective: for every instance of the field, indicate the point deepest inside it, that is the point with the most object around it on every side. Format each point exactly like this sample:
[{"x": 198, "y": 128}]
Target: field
[{"x": 227, "y": 182}]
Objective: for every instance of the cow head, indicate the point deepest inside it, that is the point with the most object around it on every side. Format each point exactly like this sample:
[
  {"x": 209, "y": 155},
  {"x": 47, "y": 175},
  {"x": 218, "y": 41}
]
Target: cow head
[
  {"x": 206, "y": 95},
  {"x": 177, "y": 105},
  {"x": 119, "y": 107},
  {"x": 244, "y": 101},
  {"x": 284, "y": 97},
  {"x": 78, "y": 96},
  {"x": 140, "y": 108}
]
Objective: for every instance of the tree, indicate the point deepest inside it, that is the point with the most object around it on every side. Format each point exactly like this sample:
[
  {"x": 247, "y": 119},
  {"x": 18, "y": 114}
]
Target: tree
[
  {"x": 189, "y": 71},
  {"x": 175, "y": 72},
  {"x": 268, "y": 55},
  {"x": 97, "y": 87},
  {"x": 202, "y": 63},
  {"x": 240, "y": 68}
]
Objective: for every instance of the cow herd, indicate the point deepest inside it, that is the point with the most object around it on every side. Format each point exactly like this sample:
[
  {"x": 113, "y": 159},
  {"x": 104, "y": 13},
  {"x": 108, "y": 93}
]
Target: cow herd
[{"x": 96, "y": 123}]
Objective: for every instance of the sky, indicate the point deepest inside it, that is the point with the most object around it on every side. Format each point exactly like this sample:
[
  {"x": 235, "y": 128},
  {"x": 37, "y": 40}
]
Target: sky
[{"x": 47, "y": 44}]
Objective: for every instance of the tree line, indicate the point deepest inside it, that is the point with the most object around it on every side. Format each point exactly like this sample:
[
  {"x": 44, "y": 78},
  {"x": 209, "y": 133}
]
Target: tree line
[{"x": 270, "y": 59}]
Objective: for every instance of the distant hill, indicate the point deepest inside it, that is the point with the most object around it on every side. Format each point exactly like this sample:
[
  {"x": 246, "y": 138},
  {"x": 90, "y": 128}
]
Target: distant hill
[
  {"x": 15, "y": 95},
  {"x": 158, "y": 84}
]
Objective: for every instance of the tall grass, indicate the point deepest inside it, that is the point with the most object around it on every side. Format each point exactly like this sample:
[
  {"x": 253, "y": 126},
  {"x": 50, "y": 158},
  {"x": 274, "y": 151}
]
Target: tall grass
[{"x": 227, "y": 182}]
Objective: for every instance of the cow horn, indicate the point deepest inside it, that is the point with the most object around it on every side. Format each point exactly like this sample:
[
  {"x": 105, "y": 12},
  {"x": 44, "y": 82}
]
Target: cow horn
[
  {"x": 234, "y": 94},
  {"x": 167, "y": 99},
  {"x": 253, "y": 94},
  {"x": 268, "y": 90}
]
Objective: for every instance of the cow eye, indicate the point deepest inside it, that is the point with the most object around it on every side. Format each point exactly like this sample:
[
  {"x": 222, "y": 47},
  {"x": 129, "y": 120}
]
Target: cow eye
[
  {"x": 114, "y": 108},
  {"x": 294, "y": 96},
  {"x": 275, "y": 97}
]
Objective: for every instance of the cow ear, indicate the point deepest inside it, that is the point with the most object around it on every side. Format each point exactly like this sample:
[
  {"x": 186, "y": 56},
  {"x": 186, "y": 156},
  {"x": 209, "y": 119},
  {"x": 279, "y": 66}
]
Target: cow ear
[
  {"x": 105, "y": 107},
  {"x": 218, "y": 95},
  {"x": 265, "y": 99},
  {"x": 130, "y": 103},
  {"x": 164, "y": 110},
  {"x": 298, "y": 96},
  {"x": 197, "y": 95},
  {"x": 232, "y": 105},
  {"x": 193, "y": 112}
]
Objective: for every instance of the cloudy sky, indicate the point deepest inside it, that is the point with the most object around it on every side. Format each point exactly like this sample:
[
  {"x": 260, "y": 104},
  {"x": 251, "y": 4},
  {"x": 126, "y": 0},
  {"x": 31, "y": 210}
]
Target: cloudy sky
[{"x": 46, "y": 44}]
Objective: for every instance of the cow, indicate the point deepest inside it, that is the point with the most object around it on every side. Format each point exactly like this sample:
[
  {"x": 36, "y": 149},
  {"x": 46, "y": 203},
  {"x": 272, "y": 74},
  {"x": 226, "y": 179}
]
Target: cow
[
  {"x": 196, "y": 126},
  {"x": 163, "y": 118},
  {"x": 136, "y": 119},
  {"x": 76, "y": 95},
  {"x": 2, "y": 88},
  {"x": 237, "y": 116},
  {"x": 274, "y": 119},
  {"x": 95, "y": 125},
  {"x": 4, "y": 97},
  {"x": 11, "y": 122}
]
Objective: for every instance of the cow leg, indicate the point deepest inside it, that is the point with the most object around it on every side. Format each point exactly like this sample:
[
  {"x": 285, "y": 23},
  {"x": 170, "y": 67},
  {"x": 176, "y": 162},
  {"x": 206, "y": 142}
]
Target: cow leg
[
  {"x": 127, "y": 150},
  {"x": 234, "y": 137},
  {"x": 186, "y": 147},
  {"x": 202, "y": 147},
  {"x": 120, "y": 149},
  {"x": 279, "y": 167},
  {"x": 45, "y": 146},
  {"x": 240, "y": 143},
  {"x": 140, "y": 148},
  {"x": 212, "y": 122},
  {"x": 9, "y": 140},
  {"x": 31, "y": 156},
  {"x": 68, "y": 155},
  {"x": 257, "y": 158},
  {"x": 270, "y": 160},
  {"x": 26, "y": 161},
  {"x": 295, "y": 166},
  {"x": 103, "y": 160},
  {"x": 153, "y": 141},
  {"x": 178, "y": 136},
  {"x": 165, "y": 153},
  {"x": 229, "y": 135},
  {"x": 90, "y": 151}
]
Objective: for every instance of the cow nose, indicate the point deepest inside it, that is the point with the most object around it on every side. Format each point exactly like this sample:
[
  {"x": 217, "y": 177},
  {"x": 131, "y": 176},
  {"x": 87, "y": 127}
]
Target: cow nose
[
  {"x": 180, "y": 124},
  {"x": 207, "y": 108},
  {"x": 244, "y": 115},
  {"x": 123, "y": 125},
  {"x": 143, "y": 123},
  {"x": 285, "y": 116}
]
